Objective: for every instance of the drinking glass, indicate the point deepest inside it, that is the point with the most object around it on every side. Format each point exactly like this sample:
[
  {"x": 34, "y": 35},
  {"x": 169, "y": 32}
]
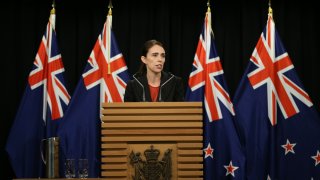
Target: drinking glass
[
  {"x": 83, "y": 168},
  {"x": 70, "y": 171}
]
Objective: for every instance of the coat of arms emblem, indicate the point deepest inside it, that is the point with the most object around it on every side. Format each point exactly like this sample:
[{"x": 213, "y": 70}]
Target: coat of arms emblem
[{"x": 151, "y": 168}]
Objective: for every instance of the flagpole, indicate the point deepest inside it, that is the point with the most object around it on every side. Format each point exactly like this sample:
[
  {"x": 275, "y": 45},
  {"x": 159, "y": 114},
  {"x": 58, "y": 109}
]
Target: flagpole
[
  {"x": 210, "y": 19},
  {"x": 209, "y": 31},
  {"x": 109, "y": 49},
  {"x": 52, "y": 17},
  {"x": 53, "y": 11},
  {"x": 270, "y": 13},
  {"x": 110, "y": 7}
]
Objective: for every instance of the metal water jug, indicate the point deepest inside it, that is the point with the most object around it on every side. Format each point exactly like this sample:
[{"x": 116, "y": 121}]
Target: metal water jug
[{"x": 51, "y": 156}]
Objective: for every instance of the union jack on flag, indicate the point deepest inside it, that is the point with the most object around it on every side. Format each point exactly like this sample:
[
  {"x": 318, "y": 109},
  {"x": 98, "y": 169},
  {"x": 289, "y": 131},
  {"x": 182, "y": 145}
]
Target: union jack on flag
[
  {"x": 223, "y": 157},
  {"x": 104, "y": 80},
  {"x": 275, "y": 117},
  {"x": 47, "y": 71},
  {"x": 207, "y": 72},
  {"x": 41, "y": 108},
  {"x": 106, "y": 66},
  {"x": 272, "y": 64}
]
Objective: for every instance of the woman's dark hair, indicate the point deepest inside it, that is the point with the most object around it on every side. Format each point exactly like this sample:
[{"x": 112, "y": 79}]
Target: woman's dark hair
[{"x": 146, "y": 46}]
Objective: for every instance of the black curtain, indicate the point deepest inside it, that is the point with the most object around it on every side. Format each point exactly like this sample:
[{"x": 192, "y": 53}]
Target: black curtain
[{"x": 237, "y": 26}]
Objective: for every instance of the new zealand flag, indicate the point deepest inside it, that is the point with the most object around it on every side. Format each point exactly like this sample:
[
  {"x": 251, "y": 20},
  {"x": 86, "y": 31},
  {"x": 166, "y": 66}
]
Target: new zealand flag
[
  {"x": 278, "y": 124},
  {"x": 104, "y": 80},
  {"x": 223, "y": 157},
  {"x": 42, "y": 106}
]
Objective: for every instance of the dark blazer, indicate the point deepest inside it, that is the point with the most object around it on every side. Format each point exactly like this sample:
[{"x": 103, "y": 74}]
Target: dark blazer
[{"x": 171, "y": 89}]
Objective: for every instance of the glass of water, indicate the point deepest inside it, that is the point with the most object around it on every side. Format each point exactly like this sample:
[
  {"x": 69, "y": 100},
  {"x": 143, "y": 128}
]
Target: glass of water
[
  {"x": 70, "y": 171},
  {"x": 83, "y": 169}
]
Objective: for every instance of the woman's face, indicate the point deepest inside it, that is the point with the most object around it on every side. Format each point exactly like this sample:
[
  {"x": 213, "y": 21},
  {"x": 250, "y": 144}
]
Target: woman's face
[{"x": 155, "y": 59}]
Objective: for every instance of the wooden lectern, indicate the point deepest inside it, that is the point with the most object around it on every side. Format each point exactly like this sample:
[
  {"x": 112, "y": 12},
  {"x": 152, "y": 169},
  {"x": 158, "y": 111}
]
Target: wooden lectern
[{"x": 133, "y": 127}]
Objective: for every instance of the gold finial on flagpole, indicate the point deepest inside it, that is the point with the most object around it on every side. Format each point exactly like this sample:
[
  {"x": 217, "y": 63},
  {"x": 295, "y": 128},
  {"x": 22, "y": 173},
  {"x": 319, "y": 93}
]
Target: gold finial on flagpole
[
  {"x": 208, "y": 17},
  {"x": 53, "y": 10},
  {"x": 270, "y": 13},
  {"x": 110, "y": 7}
]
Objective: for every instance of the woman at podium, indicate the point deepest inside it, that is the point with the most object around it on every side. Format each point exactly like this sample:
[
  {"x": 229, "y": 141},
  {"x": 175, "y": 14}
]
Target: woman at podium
[{"x": 151, "y": 83}]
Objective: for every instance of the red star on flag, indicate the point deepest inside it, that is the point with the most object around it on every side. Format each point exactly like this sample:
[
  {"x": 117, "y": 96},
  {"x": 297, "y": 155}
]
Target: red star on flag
[
  {"x": 208, "y": 151},
  {"x": 317, "y": 158},
  {"x": 288, "y": 147},
  {"x": 231, "y": 169}
]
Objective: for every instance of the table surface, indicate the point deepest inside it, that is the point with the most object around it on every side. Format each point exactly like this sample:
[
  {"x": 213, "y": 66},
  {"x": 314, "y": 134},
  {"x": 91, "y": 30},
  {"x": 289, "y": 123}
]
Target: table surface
[{"x": 60, "y": 179}]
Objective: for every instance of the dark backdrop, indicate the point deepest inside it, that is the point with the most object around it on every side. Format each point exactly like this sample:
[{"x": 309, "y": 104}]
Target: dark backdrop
[{"x": 237, "y": 26}]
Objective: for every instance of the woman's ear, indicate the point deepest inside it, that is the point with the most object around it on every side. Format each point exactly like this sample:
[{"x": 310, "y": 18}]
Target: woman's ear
[{"x": 143, "y": 59}]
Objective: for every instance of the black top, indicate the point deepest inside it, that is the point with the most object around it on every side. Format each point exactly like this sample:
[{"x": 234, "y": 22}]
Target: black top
[{"x": 170, "y": 90}]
